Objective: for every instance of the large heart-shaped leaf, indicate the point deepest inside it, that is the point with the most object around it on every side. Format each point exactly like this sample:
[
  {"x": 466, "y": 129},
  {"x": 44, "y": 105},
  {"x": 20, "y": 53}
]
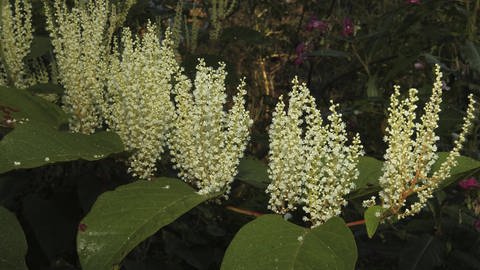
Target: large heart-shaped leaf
[
  {"x": 121, "y": 219},
  {"x": 270, "y": 242},
  {"x": 37, "y": 141},
  {"x": 13, "y": 246},
  {"x": 32, "y": 145},
  {"x": 21, "y": 104}
]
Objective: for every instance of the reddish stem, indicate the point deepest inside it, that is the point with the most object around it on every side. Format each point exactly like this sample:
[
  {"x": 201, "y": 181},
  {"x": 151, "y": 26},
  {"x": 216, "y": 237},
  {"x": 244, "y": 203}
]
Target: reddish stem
[
  {"x": 243, "y": 211},
  {"x": 257, "y": 214},
  {"x": 355, "y": 223}
]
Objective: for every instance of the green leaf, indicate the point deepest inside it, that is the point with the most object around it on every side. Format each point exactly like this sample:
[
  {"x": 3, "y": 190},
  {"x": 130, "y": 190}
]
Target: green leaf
[
  {"x": 465, "y": 165},
  {"x": 270, "y": 242},
  {"x": 254, "y": 172},
  {"x": 123, "y": 218},
  {"x": 370, "y": 171},
  {"x": 13, "y": 246},
  {"x": 367, "y": 182},
  {"x": 32, "y": 145},
  {"x": 23, "y": 105},
  {"x": 373, "y": 217}
]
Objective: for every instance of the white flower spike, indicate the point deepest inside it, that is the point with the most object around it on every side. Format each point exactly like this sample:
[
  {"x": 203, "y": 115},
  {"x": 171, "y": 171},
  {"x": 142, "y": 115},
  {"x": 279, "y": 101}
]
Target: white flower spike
[
  {"x": 315, "y": 167},
  {"x": 412, "y": 151}
]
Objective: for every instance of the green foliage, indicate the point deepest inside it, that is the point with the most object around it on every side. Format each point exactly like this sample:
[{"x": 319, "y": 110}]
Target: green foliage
[
  {"x": 41, "y": 46},
  {"x": 13, "y": 246},
  {"x": 465, "y": 165},
  {"x": 472, "y": 55},
  {"x": 367, "y": 182},
  {"x": 121, "y": 219},
  {"x": 269, "y": 242},
  {"x": 373, "y": 216},
  {"x": 36, "y": 141},
  {"x": 330, "y": 53},
  {"x": 24, "y": 105},
  {"x": 46, "y": 88},
  {"x": 245, "y": 34},
  {"x": 35, "y": 145},
  {"x": 253, "y": 172},
  {"x": 422, "y": 253}
]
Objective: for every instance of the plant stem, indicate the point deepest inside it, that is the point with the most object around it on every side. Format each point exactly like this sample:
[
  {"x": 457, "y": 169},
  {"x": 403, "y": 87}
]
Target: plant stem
[
  {"x": 355, "y": 223},
  {"x": 244, "y": 211}
]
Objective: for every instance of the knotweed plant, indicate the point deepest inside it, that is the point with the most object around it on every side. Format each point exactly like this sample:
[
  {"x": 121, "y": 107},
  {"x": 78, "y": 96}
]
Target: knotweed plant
[
  {"x": 16, "y": 35},
  {"x": 412, "y": 151},
  {"x": 80, "y": 37},
  {"x": 310, "y": 163},
  {"x": 207, "y": 143},
  {"x": 138, "y": 107}
]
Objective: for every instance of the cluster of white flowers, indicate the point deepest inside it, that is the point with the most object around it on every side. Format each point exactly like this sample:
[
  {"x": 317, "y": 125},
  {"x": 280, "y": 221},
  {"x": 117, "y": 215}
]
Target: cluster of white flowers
[
  {"x": 16, "y": 35},
  {"x": 80, "y": 37},
  {"x": 138, "y": 105},
  {"x": 412, "y": 151},
  {"x": 316, "y": 167},
  {"x": 207, "y": 143}
]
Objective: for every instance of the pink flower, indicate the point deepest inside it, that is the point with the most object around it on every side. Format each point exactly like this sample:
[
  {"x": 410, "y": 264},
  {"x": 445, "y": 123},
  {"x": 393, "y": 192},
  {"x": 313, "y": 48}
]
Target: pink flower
[
  {"x": 476, "y": 224},
  {"x": 301, "y": 48},
  {"x": 314, "y": 23},
  {"x": 348, "y": 27},
  {"x": 416, "y": 2},
  {"x": 469, "y": 183},
  {"x": 298, "y": 61},
  {"x": 301, "y": 53}
]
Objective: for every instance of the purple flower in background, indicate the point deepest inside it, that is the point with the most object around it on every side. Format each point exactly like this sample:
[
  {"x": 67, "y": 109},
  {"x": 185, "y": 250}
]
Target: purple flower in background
[
  {"x": 476, "y": 224},
  {"x": 301, "y": 53},
  {"x": 469, "y": 183},
  {"x": 316, "y": 24},
  {"x": 301, "y": 47},
  {"x": 348, "y": 27},
  {"x": 416, "y": 2},
  {"x": 419, "y": 65}
]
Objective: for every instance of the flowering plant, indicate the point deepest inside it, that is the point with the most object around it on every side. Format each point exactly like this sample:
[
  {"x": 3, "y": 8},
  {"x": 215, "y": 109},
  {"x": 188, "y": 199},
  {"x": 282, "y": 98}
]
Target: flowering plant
[
  {"x": 412, "y": 151},
  {"x": 314, "y": 168}
]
